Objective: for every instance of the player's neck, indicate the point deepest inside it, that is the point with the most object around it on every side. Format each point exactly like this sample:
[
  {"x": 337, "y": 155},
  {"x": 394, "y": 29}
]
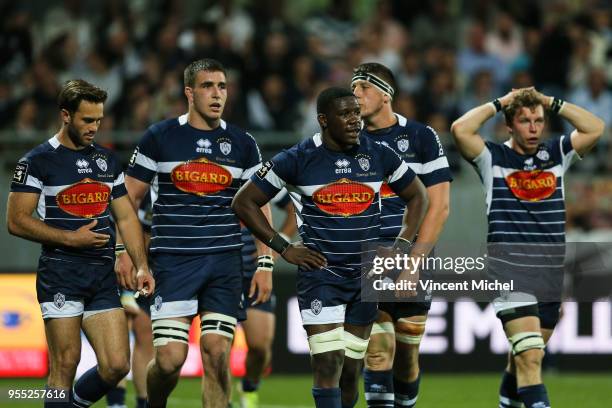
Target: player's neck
[
  {"x": 197, "y": 121},
  {"x": 519, "y": 149},
  {"x": 383, "y": 119},
  {"x": 330, "y": 144}
]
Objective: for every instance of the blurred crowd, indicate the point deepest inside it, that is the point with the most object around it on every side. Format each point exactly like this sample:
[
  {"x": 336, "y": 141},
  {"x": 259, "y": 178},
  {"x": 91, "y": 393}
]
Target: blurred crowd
[{"x": 448, "y": 56}]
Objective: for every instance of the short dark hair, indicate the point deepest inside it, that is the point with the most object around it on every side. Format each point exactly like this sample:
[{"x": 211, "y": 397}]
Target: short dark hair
[
  {"x": 77, "y": 90},
  {"x": 525, "y": 99},
  {"x": 204, "y": 64},
  {"x": 377, "y": 69},
  {"x": 329, "y": 95}
]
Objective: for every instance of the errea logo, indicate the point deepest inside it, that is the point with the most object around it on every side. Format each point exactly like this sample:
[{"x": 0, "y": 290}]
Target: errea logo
[
  {"x": 83, "y": 166},
  {"x": 203, "y": 146},
  {"x": 343, "y": 166}
]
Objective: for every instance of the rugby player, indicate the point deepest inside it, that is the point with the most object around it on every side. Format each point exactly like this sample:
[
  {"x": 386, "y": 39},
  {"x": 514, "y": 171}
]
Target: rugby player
[
  {"x": 392, "y": 374},
  {"x": 260, "y": 320},
  {"x": 523, "y": 183},
  {"x": 75, "y": 185},
  {"x": 334, "y": 179},
  {"x": 194, "y": 164},
  {"x": 139, "y": 316}
]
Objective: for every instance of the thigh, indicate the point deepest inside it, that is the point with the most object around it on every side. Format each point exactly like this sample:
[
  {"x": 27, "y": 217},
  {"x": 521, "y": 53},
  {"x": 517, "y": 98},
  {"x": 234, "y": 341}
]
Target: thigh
[
  {"x": 259, "y": 328},
  {"x": 108, "y": 334},
  {"x": 64, "y": 338}
]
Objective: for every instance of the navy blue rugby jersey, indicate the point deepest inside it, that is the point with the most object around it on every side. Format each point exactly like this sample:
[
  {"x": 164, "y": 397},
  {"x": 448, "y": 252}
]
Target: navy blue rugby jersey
[
  {"x": 194, "y": 176},
  {"x": 336, "y": 195},
  {"x": 75, "y": 187},
  {"x": 524, "y": 193},
  {"x": 249, "y": 250},
  {"x": 420, "y": 147}
]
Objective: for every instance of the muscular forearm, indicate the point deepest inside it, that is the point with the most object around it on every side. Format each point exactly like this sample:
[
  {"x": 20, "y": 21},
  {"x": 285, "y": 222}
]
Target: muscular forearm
[
  {"x": 263, "y": 249},
  {"x": 432, "y": 227},
  {"x": 32, "y": 229},
  {"x": 255, "y": 220},
  {"x": 589, "y": 127},
  {"x": 132, "y": 237},
  {"x": 413, "y": 216}
]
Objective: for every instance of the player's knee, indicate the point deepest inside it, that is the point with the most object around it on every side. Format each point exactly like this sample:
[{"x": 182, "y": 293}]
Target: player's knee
[
  {"x": 115, "y": 369},
  {"x": 529, "y": 361},
  {"x": 169, "y": 359},
  {"x": 259, "y": 352},
  {"x": 378, "y": 360},
  {"x": 215, "y": 355},
  {"x": 328, "y": 365},
  {"x": 64, "y": 363}
]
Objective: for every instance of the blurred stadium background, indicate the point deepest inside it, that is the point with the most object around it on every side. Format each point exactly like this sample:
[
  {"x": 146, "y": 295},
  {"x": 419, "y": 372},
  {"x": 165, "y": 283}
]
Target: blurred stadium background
[{"x": 448, "y": 56}]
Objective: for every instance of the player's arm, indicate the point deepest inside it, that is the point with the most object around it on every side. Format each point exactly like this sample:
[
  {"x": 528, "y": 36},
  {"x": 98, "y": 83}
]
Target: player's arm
[
  {"x": 465, "y": 130},
  {"x": 416, "y": 199},
  {"x": 435, "y": 217},
  {"x": 130, "y": 230},
  {"x": 261, "y": 283},
  {"x": 22, "y": 223},
  {"x": 289, "y": 226},
  {"x": 588, "y": 127},
  {"x": 247, "y": 205}
]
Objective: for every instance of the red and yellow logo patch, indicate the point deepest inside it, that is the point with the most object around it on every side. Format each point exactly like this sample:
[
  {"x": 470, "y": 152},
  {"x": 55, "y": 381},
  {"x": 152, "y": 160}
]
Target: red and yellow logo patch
[
  {"x": 343, "y": 197},
  {"x": 534, "y": 185},
  {"x": 87, "y": 198},
  {"x": 201, "y": 177},
  {"x": 385, "y": 191}
]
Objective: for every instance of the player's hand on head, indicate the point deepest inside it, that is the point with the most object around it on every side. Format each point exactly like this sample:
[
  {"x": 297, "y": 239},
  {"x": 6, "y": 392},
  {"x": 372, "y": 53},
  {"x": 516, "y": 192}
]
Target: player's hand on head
[
  {"x": 145, "y": 283},
  {"x": 298, "y": 254},
  {"x": 85, "y": 237},
  {"x": 261, "y": 285}
]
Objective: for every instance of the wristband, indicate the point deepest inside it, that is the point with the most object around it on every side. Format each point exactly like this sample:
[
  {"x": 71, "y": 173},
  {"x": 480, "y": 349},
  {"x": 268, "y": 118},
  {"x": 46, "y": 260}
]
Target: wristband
[
  {"x": 119, "y": 249},
  {"x": 497, "y": 104},
  {"x": 557, "y": 105},
  {"x": 402, "y": 244},
  {"x": 278, "y": 243},
  {"x": 265, "y": 262}
]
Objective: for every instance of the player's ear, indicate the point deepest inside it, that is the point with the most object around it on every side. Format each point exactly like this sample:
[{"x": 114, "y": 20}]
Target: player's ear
[
  {"x": 322, "y": 119},
  {"x": 189, "y": 94},
  {"x": 66, "y": 118}
]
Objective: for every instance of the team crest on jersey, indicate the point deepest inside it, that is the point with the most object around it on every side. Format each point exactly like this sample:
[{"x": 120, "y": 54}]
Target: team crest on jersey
[
  {"x": 21, "y": 173},
  {"x": 343, "y": 197},
  {"x": 157, "y": 303},
  {"x": 59, "y": 300},
  {"x": 403, "y": 145},
  {"x": 83, "y": 166},
  {"x": 87, "y": 198},
  {"x": 364, "y": 161},
  {"x": 534, "y": 185},
  {"x": 102, "y": 163},
  {"x": 201, "y": 177},
  {"x": 225, "y": 145},
  {"x": 386, "y": 191},
  {"x": 316, "y": 306},
  {"x": 543, "y": 155}
]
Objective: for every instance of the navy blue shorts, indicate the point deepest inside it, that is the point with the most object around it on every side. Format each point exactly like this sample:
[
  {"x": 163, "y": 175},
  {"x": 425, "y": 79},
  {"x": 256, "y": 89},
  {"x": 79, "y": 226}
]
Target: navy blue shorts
[
  {"x": 325, "y": 298},
  {"x": 398, "y": 310},
  {"x": 68, "y": 289},
  {"x": 186, "y": 285},
  {"x": 268, "y": 306}
]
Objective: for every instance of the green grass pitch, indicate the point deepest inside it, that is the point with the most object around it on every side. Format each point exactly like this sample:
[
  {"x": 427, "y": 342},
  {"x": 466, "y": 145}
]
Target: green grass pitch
[{"x": 437, "y": 391}]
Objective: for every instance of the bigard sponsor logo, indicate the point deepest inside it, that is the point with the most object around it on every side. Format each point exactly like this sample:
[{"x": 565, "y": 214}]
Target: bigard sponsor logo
[
  {"x": 343, "y": 197},
  {"x": 87, "y": 198},
  {"x": 534, "y": 185},
  {"x": 201, "y": 177}
]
